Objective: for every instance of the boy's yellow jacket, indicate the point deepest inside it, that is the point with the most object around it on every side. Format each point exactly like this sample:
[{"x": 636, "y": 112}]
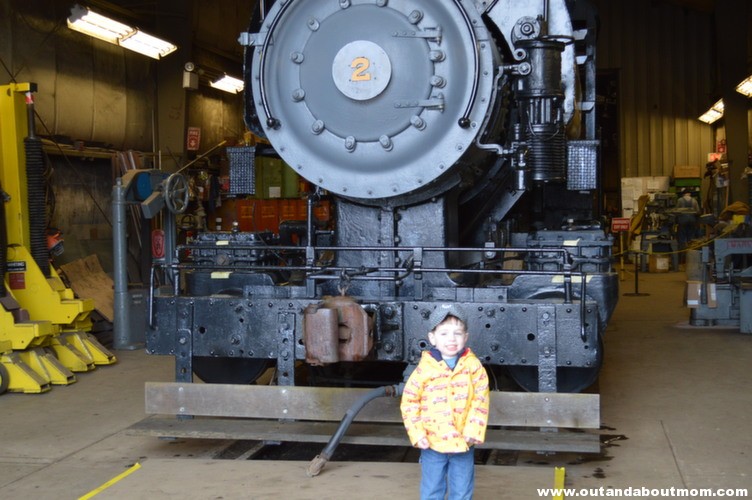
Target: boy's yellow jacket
[{"x": 444, "y": 405}]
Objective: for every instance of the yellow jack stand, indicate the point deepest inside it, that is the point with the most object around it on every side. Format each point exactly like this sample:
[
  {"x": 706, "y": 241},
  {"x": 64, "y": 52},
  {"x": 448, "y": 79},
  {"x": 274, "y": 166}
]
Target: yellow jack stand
[
  {"x": 87, "y": 345},
  {"x": 46, "y": 366},
  {"x": 98, "y": 352},
  {"x": 30, "y": 367},
  {"x": 80, "y": 351},
  {"x": 5, "y": 349},
  {"x": 26, "y": 338},
  {"x": 20, "y": 376},
  {"x": 35, "y": 285},
  {"x": 49, "y": 298},
  {"x": 72, "y": 353},
  {"x": 32, "y": 371}
]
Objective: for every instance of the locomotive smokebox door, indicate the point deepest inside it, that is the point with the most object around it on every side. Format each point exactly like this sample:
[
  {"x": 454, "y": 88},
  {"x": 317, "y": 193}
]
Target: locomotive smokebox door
[
  {"x": 337, "y": 329},
  {"x": 372, "y": 93}
]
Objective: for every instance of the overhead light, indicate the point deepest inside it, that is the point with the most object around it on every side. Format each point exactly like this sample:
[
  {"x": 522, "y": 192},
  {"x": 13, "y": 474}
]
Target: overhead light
[
  {"x": 90, "y": 23},
  {"x": 714, "y": 114},
  {"x": 745, "y": 87},
  {"x": 84, "y": 20},
  {"x": 710, "y": 116},
  {"x": 229, "y": 84},
  {"x": 148, "y": 45}
]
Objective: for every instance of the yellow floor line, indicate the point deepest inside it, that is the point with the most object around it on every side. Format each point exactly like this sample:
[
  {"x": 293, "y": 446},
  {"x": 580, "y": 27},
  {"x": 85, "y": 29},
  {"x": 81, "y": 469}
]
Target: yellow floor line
[
  {"x": 559, "y": 474},
  {"x": 112, "y": 481}
]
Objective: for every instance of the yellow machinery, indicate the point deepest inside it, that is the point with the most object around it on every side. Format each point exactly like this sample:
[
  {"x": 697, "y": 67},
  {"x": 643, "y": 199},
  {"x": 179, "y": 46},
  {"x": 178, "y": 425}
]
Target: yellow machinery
[{"x": 40, "y": 316}]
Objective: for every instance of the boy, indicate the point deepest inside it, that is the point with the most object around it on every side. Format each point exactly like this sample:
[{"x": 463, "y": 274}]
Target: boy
[{"x": 445, "y": 408}]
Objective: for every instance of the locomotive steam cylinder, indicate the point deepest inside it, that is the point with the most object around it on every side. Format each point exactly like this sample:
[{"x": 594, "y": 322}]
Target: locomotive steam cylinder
[{"x": 542, "y": 116}]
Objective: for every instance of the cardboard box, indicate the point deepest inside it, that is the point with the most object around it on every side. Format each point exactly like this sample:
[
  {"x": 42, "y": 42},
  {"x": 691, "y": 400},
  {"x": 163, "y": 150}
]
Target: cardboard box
[
  {"x": 693, "y": 294},
  {"x": 687, "y": 171},
  {"x": 658, "y": 263}
]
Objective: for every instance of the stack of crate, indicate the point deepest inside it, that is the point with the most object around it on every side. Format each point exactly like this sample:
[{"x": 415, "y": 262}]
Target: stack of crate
[{"x": 687, "y": 177}]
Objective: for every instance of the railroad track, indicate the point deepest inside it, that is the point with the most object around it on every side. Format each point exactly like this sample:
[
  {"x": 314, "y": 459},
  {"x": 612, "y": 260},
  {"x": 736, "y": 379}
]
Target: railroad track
[{"x": 265, "y": 450}]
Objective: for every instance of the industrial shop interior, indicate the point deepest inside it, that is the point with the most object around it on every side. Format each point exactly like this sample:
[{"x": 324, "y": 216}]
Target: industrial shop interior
[{"x": 231, "y": 230}]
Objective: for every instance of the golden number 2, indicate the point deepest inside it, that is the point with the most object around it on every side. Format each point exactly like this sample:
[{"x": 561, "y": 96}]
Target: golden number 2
[{"x": 360, "y": 67}]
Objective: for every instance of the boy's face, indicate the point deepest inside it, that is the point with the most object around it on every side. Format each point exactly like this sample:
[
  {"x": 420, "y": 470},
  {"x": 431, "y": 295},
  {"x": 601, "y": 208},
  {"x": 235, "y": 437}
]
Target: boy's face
[{"x": 449, "y": 337}]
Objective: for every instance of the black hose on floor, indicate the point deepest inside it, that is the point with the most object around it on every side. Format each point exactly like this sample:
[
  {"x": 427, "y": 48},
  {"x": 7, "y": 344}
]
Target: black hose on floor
[{"x": 320, "y": 460}]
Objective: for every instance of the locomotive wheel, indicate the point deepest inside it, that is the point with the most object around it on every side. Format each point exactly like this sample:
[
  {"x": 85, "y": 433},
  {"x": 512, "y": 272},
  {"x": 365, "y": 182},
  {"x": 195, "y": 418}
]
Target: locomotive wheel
[
  {"x": 229, "y": 370},
  {"x": 569, "y": 379}
]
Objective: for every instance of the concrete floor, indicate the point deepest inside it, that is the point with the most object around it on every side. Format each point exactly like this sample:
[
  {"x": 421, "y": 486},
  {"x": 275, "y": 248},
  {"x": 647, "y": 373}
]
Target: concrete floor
[{"x": 676, "y": 408}]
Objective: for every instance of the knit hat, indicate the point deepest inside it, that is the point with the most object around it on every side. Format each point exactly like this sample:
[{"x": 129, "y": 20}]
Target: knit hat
[{"x": 441, "y": 312}]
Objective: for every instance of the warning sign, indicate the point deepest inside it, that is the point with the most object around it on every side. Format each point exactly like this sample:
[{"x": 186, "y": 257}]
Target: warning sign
[
  {"x": 620, "y": 224},
  {"x": 17, "y": 281},
  {"x": 193, "y": 139}
]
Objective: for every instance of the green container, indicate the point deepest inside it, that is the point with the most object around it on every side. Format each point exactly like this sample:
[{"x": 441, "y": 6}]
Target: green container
[
  {"x": 290, "y": 182},
  {"x": 275, "y": 179},
  {"x": 688, "y": 182}
]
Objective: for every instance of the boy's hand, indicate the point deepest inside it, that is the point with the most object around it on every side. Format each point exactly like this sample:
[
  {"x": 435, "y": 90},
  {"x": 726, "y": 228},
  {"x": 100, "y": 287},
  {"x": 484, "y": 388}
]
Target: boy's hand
[
  {"x": 471, "y": 441},
  {"x": 422, "y": 443}
]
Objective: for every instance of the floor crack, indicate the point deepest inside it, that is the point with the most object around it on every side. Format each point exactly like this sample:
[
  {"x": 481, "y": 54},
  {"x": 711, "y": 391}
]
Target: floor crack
[{"x": 673, "y": 454}]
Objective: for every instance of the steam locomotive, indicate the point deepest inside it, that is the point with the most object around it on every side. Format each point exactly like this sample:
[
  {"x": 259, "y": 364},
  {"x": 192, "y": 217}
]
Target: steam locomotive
[{"x": 456, "y": 143}]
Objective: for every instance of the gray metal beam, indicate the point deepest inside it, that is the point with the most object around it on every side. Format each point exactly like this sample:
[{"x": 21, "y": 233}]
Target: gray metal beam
[
  {"x": 520, "y": 409},
  {"x": 363, "y": 434}
]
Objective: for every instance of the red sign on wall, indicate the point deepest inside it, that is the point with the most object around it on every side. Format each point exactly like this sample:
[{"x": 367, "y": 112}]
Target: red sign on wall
[
  {"x": 620, "y": 224},
  {"x": 158, "y": 244},
  {"x": 193, "y": 139}
]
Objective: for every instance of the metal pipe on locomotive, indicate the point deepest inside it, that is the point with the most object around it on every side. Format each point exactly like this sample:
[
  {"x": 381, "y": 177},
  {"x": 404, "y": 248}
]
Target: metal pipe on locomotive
[{"x": 456, "y": 142}]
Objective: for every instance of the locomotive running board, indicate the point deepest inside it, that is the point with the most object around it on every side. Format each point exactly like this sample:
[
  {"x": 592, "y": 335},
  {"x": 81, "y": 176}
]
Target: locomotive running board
[{"x": 308, "y": 414}]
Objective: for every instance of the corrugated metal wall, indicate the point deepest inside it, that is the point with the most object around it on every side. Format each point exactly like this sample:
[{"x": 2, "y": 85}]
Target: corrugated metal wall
[
  {"x": 89, "y": 90},
  {"x": 217, "y": 26},
  {"x": 664, "y": 54},
  {"x": 93, "y": 91},
  {"x": 218, "y": 114}
]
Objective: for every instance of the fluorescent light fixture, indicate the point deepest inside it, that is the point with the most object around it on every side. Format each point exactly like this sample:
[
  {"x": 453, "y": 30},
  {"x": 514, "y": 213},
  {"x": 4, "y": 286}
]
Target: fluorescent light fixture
[
  {"x": 86, "y": 21},
  {"x": 229, "y": 84},
  {"x": 90, "y": 23},
  {"x": 710, "y": 116},
  {"x": 745, "y": 87},
  {"x": 714, "y": 114},
  {"x": 148, "y": 45}
]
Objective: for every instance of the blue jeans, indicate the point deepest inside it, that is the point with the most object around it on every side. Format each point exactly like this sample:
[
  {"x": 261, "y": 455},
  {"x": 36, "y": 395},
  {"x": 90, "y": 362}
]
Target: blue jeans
[{"x": 439, "y": 470}]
